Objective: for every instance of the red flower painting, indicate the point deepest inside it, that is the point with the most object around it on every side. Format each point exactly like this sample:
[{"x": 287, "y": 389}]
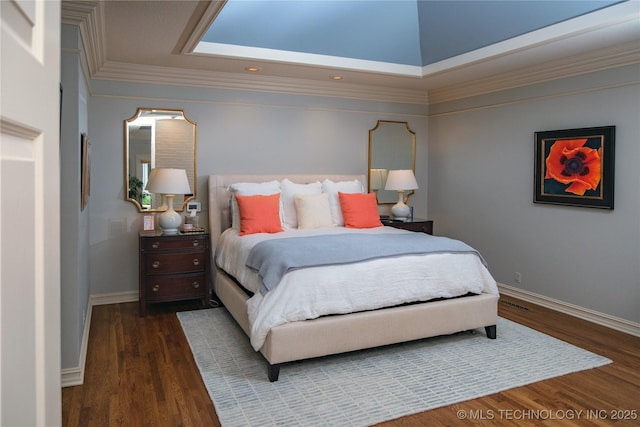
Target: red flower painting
[
  {"x": 570, "y": 162},
  {"x": 575, "y": 167}
]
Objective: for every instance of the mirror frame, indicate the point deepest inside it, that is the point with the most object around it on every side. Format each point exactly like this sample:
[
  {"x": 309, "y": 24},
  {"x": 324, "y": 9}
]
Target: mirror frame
[
  {"x": 413, "y": 157},
  {"x": 194, "y": 184}
]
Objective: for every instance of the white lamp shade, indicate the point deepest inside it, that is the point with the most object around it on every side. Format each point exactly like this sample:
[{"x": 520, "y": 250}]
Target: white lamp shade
[
  {"x": 168, "y": 181},
  {"x": 403, "y": 179},
  {"x": 378, "y": 179}
]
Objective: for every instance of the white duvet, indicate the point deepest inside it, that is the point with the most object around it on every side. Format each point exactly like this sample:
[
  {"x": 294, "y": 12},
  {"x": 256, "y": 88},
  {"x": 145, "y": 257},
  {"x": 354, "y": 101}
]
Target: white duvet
[{"x": 309, "y": 293}]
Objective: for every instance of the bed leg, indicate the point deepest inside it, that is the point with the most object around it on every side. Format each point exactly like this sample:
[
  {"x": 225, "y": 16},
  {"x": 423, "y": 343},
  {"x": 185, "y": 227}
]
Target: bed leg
[
  {"x": 274, "y": 372},
  {"x": 491, "y": 331}
]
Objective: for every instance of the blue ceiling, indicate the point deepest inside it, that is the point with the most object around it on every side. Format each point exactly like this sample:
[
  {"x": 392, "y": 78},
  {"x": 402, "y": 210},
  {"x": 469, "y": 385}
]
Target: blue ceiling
[{"x": 406, "y": 32}]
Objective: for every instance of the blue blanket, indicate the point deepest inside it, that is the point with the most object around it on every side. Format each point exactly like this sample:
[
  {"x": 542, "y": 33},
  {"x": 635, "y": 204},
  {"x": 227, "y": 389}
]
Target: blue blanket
[{"x": 272, "y": 259}]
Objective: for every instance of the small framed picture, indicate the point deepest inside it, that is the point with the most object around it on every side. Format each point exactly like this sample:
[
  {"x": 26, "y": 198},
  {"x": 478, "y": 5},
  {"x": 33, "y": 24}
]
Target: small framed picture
[
  {"x": 148, "y": 223},
  {"x": 85, "y": 170}
]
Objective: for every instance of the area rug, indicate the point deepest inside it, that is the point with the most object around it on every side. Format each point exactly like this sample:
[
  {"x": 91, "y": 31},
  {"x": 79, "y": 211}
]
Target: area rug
[{"x": 370, "y": 386}]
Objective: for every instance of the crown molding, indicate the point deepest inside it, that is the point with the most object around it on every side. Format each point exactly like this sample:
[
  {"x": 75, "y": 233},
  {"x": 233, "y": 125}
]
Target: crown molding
[
  {"x": 89, "y": 17},
  {"x": 188, "y": 77},
  {"x": 613, "y": 57}
]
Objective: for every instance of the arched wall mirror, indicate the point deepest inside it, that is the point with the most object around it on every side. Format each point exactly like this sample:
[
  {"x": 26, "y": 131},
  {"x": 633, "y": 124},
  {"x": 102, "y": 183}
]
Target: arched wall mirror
[
  {"x": 157, "y": 138},
  {"x": 392, "y": 145}
]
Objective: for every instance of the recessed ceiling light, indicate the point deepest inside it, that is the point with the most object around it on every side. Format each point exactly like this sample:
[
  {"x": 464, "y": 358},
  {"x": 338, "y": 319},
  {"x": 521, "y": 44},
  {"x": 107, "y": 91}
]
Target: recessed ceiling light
[
  {"x": 336, "y": 77},
  {"x": 252, "y": 69}
]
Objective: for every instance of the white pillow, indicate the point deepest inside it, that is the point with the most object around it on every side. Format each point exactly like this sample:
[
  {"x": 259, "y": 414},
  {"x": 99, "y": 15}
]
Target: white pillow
[
  {"x": 313, "y": 210},
  {"x": 332, "y": 189},
  {"x": 289, "y": 191},
  {"x": 251, "y": 189}
]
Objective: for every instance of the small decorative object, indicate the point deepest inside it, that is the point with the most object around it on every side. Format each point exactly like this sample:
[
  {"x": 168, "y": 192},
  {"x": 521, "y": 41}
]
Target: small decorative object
[
  {"x": 169, "y": 182},
  {"x": 401, "y": 180},
  {"x": 575, "y": 167},
  {"x": 148, "y": 223}
]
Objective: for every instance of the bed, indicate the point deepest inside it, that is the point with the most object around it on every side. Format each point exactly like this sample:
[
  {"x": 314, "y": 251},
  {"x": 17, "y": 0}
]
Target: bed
[{"x": 348, "y": 329}]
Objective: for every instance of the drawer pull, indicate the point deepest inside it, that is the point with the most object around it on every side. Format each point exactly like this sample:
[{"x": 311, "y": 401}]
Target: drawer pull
[
  {"x": 195, "y": 285},
  {"x": 155, "y": 288},
  {"x": 156, "y": 264},
  {"x": 196, "y": 261},
  {"x": 196, "y": 243},
  {"x": 155, "y": 245}
]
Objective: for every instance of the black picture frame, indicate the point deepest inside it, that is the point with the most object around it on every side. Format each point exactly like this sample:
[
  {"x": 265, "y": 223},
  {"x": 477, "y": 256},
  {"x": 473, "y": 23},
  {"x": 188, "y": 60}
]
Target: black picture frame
[{"x": 575, "y": 167}]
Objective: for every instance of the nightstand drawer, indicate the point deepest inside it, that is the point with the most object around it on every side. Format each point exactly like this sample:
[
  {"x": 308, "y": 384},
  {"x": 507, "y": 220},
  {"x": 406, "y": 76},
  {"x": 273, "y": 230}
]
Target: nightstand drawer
[
  {"x": 180, "y": 242},
  {"x": 161, "y": 287},
  {"x": 163, "y": 263}
]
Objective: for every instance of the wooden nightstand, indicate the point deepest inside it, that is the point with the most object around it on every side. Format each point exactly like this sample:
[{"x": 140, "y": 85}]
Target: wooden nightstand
[
  {"x": 173, "y": 268},
  {"x": 419, "y": 225}
]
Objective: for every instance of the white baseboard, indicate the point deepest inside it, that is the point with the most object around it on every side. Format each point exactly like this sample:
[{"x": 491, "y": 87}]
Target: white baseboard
[
  {"x": 72, "y": 376},
  {"x": 114, "y": 298},
  {"x": 596, "y": 317},
  {"x": 75, "y": 376}
]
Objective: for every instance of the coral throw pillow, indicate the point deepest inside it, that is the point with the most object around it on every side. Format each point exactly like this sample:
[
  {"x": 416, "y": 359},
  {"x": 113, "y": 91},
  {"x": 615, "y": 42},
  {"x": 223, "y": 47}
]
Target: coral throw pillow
[
  {"x": 359, "y": 210},
  {"x": 259, "y": 214}
]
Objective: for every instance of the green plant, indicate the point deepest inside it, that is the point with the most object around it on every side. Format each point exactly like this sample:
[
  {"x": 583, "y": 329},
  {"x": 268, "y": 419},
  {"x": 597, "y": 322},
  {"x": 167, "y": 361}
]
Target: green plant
[{"x": 135, "y": 188}]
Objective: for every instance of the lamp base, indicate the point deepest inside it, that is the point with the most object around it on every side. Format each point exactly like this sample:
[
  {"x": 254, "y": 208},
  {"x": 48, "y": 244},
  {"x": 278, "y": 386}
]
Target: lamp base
[
  {"x": 170, "y": 220},
  {"x": 401, "y": 211}
]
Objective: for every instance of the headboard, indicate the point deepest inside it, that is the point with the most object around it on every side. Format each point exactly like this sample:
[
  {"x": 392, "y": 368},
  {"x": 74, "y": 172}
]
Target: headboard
[{"x": 220, "y": 197}]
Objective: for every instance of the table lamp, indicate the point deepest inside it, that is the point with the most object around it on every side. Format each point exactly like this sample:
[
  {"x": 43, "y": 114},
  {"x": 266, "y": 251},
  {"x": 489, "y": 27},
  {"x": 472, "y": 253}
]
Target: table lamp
[
  {"x": 169, "y": 182},
  {"x": 401, "y": 180}
]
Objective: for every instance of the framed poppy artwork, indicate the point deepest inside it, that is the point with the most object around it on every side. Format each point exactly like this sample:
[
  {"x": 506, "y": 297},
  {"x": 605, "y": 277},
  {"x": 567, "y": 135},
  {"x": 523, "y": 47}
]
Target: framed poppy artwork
[{"x": 575, "y": 167}]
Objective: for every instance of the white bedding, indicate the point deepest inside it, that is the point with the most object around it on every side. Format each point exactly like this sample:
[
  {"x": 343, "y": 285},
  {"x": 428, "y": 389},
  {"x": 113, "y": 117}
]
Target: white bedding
[{"x": 313, "y": 292}]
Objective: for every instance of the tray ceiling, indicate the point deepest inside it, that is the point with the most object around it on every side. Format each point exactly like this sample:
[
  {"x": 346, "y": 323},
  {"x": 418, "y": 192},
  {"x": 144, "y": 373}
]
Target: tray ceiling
[{"x": 391, "y": 50}]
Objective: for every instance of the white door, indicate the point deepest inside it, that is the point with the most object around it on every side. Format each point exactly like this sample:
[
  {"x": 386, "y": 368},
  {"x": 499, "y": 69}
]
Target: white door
[{"x": 30, "y": 392}]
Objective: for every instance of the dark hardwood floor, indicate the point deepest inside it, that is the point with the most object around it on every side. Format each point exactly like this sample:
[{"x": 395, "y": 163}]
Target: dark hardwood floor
[{"x": 140, "y": 372}]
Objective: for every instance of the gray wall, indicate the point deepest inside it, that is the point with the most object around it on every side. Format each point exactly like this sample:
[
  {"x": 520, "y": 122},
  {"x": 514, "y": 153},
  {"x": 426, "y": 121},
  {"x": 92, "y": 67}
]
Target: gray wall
[
  {"x": 238, "y": 132},
  {"x": 74, "y": 227},
  {"x": 481, "y": 153}
]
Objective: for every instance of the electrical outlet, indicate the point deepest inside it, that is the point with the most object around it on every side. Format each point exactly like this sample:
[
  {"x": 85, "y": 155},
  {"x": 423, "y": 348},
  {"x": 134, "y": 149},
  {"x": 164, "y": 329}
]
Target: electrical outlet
[{"x": 517, "y": 278}]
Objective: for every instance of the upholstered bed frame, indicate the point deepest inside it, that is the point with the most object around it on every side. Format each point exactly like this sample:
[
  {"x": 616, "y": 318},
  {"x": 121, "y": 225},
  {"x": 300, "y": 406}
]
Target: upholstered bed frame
[{"x": 340, "y": 333}]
